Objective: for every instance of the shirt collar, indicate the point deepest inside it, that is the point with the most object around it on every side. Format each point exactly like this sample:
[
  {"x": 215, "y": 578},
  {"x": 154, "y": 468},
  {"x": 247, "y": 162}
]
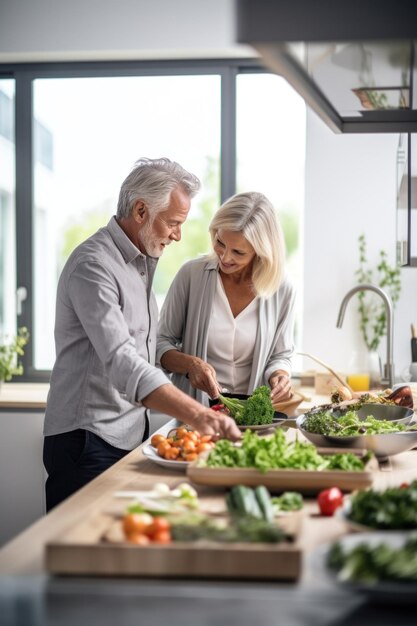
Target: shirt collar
[{"x": 127, "y": 248}]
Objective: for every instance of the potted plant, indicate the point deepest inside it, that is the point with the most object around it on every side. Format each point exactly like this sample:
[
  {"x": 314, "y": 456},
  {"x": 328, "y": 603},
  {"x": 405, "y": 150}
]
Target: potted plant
[
  {"x": 372, "y": 315},
  {"x": 10, "y": 351}
]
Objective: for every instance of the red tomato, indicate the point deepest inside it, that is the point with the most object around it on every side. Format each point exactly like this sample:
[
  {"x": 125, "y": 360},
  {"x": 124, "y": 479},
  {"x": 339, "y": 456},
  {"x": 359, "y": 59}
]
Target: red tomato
[
  {"x": 163, "y": 536},
  {"x": 404, "y": 485},
  {"x": 329, "y": 500},
  {"x": 159, "y": 524},
  {"x": 139, "y": 540}
]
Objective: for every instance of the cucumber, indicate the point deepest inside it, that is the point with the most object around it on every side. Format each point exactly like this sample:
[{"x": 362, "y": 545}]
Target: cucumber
[
  {"x": 241, "y": 501},
  {"x": 263, "y": 498}
]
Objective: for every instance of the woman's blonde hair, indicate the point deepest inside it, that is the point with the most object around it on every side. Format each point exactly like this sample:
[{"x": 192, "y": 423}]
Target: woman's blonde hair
[{"x": 253, "y": 215}]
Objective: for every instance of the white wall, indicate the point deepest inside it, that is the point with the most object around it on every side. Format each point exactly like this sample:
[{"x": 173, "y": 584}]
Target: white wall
[
  {"x": 350, "y": 189},
  {"x": 35, "y": 30}
]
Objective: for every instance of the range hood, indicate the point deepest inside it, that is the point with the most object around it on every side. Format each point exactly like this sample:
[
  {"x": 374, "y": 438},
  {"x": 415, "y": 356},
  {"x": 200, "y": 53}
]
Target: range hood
[{"x": 353, "y": 62}]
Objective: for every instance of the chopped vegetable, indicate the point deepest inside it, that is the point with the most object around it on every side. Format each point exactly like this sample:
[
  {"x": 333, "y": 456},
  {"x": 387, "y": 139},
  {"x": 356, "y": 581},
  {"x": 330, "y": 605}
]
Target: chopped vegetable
[
  {"x": 288, "y": 501},
  {"x": 254, "y": 411},
  {"x": 370, "y": 564},
  {"x": 326, "y": 423},
  {"x": 394, "y": 508},
  {"x": 275, "y": 452},
  {"x": 329, "y": 500}
]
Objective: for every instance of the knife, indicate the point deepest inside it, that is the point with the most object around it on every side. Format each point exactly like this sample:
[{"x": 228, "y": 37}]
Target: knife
[{"x": 413, "y": 344}]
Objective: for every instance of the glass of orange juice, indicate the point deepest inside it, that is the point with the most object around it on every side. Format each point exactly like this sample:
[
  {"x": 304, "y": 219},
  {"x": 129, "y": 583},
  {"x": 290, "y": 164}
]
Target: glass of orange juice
[{"x": 358, "y": 372}]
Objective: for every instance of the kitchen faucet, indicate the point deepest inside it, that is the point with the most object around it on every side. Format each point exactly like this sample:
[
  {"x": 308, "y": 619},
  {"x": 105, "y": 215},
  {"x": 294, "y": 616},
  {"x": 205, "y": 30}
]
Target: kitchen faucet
[{"x": 388, "y": 378}]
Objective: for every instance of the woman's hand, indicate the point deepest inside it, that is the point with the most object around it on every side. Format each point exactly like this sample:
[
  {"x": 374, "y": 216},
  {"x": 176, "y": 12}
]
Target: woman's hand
[
  {"x": 280, "y": 384},
  {"x": 203, "y": 376}
]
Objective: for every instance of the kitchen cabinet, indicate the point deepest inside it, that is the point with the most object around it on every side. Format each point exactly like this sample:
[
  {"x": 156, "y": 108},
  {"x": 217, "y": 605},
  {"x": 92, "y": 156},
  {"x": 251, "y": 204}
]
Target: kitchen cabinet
[
  {"x": 353, "y": 62},
  {"x": 22, "y": 476}
]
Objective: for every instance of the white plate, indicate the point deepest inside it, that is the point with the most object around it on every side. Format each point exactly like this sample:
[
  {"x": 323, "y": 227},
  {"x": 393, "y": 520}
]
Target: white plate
[
  {"x": 150, "y": 452},
  {"x": 383, "y": 592}
]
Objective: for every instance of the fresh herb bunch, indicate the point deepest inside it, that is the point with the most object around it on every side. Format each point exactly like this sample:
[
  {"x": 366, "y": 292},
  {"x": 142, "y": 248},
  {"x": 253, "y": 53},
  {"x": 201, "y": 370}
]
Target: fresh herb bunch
[
  {"x": 287, "y": 501},
  {"x": 375, "y": 563},
  {"x": 10, "y": 352},
  {"x": 275, "y": 452},
  {"x": 372, "y": 316},
  {"x": 394, "y": 508},
  {"x": 254, "y": 411},
  {"x": 350, "y": 423}
]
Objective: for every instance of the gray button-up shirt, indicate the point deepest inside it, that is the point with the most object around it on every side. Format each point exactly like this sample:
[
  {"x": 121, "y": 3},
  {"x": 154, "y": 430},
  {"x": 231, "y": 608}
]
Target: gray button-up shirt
[{"x": 105, "y": 336}]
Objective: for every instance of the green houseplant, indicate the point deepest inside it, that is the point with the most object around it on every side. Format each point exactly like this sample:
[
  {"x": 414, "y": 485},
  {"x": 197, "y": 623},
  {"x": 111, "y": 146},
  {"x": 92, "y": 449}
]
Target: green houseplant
[
  {"x": 372, "y": 316},
  {"x": 10, "y": 351}
]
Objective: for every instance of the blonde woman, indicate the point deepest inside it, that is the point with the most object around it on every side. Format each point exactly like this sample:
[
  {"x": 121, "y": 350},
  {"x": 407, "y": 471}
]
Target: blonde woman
[{"x": 227, "y": 321}]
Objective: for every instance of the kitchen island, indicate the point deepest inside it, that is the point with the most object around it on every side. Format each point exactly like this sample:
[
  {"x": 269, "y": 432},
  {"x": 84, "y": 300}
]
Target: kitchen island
[{"x": 30, "y": 597}]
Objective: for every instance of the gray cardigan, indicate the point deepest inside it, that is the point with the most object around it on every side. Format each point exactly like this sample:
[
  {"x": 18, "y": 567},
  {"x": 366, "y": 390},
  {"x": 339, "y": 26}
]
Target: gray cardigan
[{"x": 185, "y": 317}]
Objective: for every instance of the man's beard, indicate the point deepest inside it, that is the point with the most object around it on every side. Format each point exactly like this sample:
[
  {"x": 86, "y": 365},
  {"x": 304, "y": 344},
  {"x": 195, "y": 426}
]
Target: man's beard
[{"x": 151, "y": 244}]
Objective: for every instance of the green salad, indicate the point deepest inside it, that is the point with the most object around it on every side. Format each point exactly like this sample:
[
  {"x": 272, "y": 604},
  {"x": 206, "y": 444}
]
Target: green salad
[
  {"x": 275, "y": 452},
  {"x": 325, "y": 423},
  {"x": 393, "y": 508},
  {"x": 370, "y": 564}
]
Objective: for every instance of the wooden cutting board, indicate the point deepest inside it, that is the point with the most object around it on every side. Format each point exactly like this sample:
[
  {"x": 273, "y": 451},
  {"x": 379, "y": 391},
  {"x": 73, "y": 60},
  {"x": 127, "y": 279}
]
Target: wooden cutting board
[
  {"x": 97, "y": 547},
  {"x": 277, "y": 480}
]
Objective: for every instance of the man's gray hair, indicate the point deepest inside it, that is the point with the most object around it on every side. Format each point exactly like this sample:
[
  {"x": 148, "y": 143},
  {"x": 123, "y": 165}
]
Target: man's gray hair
[{"x": 153, "y": 180}]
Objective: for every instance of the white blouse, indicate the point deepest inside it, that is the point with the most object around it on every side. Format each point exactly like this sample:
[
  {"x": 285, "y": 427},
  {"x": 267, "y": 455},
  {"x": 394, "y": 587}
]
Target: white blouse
[{"x": 231, "y": 341}]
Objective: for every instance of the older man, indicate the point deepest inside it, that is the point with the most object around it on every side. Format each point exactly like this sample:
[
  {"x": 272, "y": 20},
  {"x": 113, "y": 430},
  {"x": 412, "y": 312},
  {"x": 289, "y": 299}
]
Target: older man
[{"x": 104, "y": 379}]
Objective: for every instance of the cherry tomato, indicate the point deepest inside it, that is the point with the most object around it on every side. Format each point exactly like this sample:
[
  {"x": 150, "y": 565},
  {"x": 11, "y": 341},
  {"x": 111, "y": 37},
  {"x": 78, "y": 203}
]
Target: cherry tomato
[
  {"x": 206, "y": 438},
  {"x": 202, "y": 447},
  {"x": 139, "y": 540},
  {"x": 163, "y": 536},
  {"x": 329, "y": 500},
  {"x": 136, "y": 523},
  {"x": 171, "y": 454},
  {"x": 189, "y": 445},
  {"x": 156, "y": 440},
  {"x": 181, "y": 432},
  {"x": 193, "y": 435},
  {"x": 191, "y": 456},
  {"x": 159, "y": 524},
  {"x": 404, "y": 485},
  {"x": 162, "y": 448}
]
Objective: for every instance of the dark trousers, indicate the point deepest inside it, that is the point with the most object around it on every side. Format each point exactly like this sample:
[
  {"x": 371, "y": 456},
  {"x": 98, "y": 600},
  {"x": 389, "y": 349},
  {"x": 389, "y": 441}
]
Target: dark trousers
[{"x": 73, "y": 459}]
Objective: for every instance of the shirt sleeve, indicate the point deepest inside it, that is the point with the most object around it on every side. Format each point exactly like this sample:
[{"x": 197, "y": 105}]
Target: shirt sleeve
[
  {"x": 283, "y": 349},
  {"x": 94, "y": 295}
]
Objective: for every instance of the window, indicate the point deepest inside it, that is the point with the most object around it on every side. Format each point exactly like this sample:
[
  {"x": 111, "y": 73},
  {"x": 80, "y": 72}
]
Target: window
[
  {"x": 88, "y": 125},
  {"x": 7, "y": 210}
]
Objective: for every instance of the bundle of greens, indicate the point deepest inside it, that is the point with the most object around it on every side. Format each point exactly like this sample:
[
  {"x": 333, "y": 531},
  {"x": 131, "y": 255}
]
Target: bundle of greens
[
  {"x": 254, "y": 411},
  {"x": 394, "y": 508},
  {"x": 326, "y": 423},
  {"x": 275, "y": 452},
  {"x": 370, "y": 564}
]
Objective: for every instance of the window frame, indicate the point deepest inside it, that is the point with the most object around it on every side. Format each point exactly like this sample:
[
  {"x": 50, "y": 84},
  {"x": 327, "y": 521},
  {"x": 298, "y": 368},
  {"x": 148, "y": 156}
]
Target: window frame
[{"x": 24, "y": 74}]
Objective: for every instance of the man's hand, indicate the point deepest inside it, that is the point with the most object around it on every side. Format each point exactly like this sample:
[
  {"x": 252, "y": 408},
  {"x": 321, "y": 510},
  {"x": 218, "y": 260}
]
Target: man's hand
[
  {"x": 280, "y": 384},
  {"x": 203, "y": 376},
  {"x": 217, "y": 424}
]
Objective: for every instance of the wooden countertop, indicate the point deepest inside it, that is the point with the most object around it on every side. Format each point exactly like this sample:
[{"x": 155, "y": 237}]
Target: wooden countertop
[
  {"x": 24, "y": 554},
  {"x": 33, "y": 396},
  {"x": 23, "y": 396}
]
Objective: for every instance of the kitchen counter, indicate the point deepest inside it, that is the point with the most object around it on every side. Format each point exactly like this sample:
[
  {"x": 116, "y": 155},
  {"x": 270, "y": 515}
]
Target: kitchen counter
[
  {"x": 29, "y": 596},
  {"x": 23, "y": 396}
]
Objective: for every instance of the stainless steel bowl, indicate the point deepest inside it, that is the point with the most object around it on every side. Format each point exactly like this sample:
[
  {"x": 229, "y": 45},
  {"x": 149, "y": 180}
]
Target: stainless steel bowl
[{"x": 382, "y": 445}]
